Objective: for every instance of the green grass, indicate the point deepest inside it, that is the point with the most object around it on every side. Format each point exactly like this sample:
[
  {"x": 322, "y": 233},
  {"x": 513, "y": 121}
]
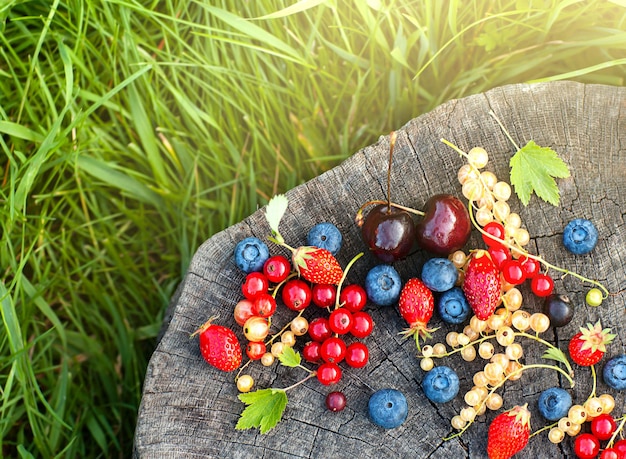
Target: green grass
[{"x": 133, "y": 131}]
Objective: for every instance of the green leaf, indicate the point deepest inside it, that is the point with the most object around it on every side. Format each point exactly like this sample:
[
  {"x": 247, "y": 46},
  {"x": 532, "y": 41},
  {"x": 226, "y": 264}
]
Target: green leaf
[
  {"x": 265, "y": 409},
  {"x": 275, "y": 210},
  {"x": 533, "y": 168},
  {"x": 289, "y": 357},
  {"x": 554, "y": 353}
]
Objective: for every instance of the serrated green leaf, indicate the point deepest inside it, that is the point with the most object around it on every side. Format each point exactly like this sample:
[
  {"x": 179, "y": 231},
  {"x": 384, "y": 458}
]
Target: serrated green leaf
[
  {"x": 289, "y": 357},
  {"x": 534, "y": 168},
  {"x": 264, "y": 409},
  {"x": 554, "y": 353},
  {"x": 275, "y": 210}
]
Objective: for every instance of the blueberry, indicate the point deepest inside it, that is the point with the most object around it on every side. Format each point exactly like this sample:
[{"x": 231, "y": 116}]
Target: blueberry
[
  {"x": 383, "y": 285},
  {"x": 441, "y": 384},
  {"x": 614, "y": 372},
  {"x": 388, "y": 408},
  {"x": 439, "y": 274},
  {"x": 325, "y": 236},
  {"x": 554, "y": 403},
  {"x": 250, "y": 254},
  {"x": 452, "y": 306},
  {"x": 580, "y": 236}
]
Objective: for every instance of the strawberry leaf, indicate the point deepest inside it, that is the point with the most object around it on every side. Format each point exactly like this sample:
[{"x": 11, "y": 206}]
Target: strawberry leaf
[
  {"x": 274, "y": 212},
  {"x": 289, "y": 357},
  {"x": 554, "y": 353},
  {"x": 533, "y": 168},
  {"x": 264, "y": 409}
]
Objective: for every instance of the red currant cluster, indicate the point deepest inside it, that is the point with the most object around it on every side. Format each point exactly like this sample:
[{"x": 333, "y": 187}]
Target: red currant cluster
[
  {"x": 332, "y": 339},
  {"x": 603, "y": 427}
]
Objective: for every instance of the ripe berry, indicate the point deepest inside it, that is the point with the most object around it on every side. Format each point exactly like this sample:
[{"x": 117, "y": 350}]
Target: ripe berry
[
  {"x": 383, "y": 285},
  {"x": 620, "y": 447},
  {"x": 277, "y": 268},
  {"x": 439, "y": 274},
  {"x": 357, "y": 355},
  {"x": 530, "y": 266},
  {"x": 594, "y": 297},
  {"x": 452, "y": 306},
  {"x": 325, "y": 235},
  {"x": 614, "y": 372},
  {"x": 255, "y": 350},
  {"x": 255, "y": 284},
  {"x": 256, "y": 328},
  {"x": 333, "y": 350},
  {"x": 264, "y": 305},
  {"x": 580, "y": 236},
  {"x": 335, "y": 401},
  {"x": 243, "y": 311},
  {"x": 554, "y": 403},
  {"x": 512, "y": 272},
  {"x": 329, "y": 373},
  {"x": 340, "y": 321},
  {"x": 609, "y": 453},
  {"x": 311, "y": 351},
  {"x": 499, "y": 255},
  {"x": 559, "y": 309},
  {"x": 441, "y": 384},
  {"x": 324, "y": 295},
  {"x": 362, "y": 324},
  {"x": 296, "y": 294},
  {"x": 245, "y": 383},
  {"x": 299, "y": 326},
  {"x": 353, "y": 297},
  {"x": 542, "y": 285},
  {"x": 250, "y": 254},
  {"x": 603, "y": 426},
  {"x": 586, "y": 446},
  {"x": 388, "y": 408},
  {"x": 496, "y": 230},
  {"x": 319, "y": 329}
]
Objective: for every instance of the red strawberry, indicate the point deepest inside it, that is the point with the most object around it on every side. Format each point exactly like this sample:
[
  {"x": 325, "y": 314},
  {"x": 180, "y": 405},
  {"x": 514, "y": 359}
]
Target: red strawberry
[
  {"x": 219, "y": 346},
  {"x": 588, "y": 346},
  {"x": 416, "y": 305},
  {"x": 508, "y": 433},
  {"x": 482, "y": 285},
  {"x": 316, "y": 265}
]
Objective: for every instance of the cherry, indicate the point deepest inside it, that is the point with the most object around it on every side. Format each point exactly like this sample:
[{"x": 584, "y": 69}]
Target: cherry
[
  {"x": 335, "y": 401},
  {"x": 264, "y": 305},
  {"x": 357, "y": 355},
  {"x": 512, "y": 272},
  {"x": 333, "y": 350},
  {"x": 296, "y": 294},
  {"x": 586, "y": 446},
  {"x": 328, "y": 373},
  {"x": 255, "y": 284},
  {"x": 311, "y": 351},
  {"x": 362, "y": 324},
  {"x": 446, "y": 225},
  {"x": 277, "y": 268},
  {"x": 353, "y": 297},
  {"x": 389, "y": 232},
  {"x": 340, "y": 321},
  {"x": 603, "y": 426},
  {"x": 319, "y": 329},
  {"x": 542, "y": 285},
  {"x": 496, "y": 229},
  {"x": 324, "y": 295},
  {"x": 255, "y": 350}
]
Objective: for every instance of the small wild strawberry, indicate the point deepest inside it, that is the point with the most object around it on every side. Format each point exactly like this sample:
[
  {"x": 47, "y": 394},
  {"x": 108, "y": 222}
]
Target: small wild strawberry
[
  {"x": 482, "y": 285},
  {"x": 508, "y": 433},
  {"x": 588, "y": 346},
  {"x": 416, "y": 304},
  {"x": 219, "y": 346}
]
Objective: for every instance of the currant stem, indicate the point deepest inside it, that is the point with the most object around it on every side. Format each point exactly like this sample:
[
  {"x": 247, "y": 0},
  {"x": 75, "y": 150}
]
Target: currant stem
[
  {"x": 617, "y": 431},
  {"x": 343, "y": 277},
  {"x": 493, "y": 115},
  {"x": 309, "y": 376},
  {"x": 273, "y": 337}
]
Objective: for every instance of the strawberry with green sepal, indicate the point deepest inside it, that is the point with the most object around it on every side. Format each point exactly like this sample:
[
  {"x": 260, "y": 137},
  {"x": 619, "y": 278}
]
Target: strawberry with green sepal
[
  {"x": 416, "y": 304},
  {"x": 508, "y": 433},
  {"x": 482, "y": 285},
  {"x": 588, "y": 346},
  {"x": 219, "y": 346},
  {"x": 314, "y": 264}
]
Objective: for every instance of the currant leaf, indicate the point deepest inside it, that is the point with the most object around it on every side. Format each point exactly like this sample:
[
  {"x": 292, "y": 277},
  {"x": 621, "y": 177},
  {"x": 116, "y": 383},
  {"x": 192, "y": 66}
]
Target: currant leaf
[
  {"x": 264, "y": 409},
  {"x": 534, "y": 168},
  {"x": 274, "y": 212},
  {"x": 289, "y": 357}
]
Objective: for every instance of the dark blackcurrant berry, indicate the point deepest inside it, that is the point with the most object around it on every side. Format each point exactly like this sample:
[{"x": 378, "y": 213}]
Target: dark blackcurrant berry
[
  {"x": 335, "y": 401},
  {"x": 559, "y": 309}
]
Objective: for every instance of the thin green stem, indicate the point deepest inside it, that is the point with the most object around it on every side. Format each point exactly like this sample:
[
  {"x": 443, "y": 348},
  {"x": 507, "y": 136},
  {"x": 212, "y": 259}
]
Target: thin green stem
[
  {"x": 309, "y": 376},
  {"x": 493, "y": 115},
  {"x": 343, "y": 277}
]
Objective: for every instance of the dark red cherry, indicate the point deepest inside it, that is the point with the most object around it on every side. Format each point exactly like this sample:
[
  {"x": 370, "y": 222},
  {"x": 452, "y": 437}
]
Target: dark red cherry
[
  {"x": 389, "y": 232},
  {"x": 446, "y": 225}
]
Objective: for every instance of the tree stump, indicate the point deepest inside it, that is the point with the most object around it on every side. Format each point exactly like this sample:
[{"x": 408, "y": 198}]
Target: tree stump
[{"x": 189, "y": 409}]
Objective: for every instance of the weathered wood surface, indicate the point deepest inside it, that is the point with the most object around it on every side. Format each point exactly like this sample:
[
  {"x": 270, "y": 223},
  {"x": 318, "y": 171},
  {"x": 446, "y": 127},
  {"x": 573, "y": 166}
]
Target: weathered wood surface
[{"x": 190, "y": 410}]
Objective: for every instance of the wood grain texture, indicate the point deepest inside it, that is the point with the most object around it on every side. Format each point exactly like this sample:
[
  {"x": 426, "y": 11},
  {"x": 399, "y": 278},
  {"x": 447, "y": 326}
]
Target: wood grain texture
[{"x": 190, "y": 410}]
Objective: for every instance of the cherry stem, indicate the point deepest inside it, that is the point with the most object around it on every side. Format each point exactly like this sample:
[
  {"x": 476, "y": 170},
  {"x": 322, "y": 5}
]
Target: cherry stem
[
  {"x": 392, "y": 143},
  {"x": 391, "y": 204}
]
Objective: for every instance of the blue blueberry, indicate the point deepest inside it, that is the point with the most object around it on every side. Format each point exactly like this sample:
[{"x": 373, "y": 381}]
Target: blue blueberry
[
  {"x": 554, "y": 403},
  {"x": 580, "y": 236},
  {"x": 325, "y": 236},
  {"x": 388, "y": 408},
  {"x": 439, "y": 274},
  {"x": 383, "y": 285},
  {"x": 614, "y": 372},
  {"x": 452, "y": 306},
  {"x": 250, "y": 254},
  {"x": 441, "y": 384}
]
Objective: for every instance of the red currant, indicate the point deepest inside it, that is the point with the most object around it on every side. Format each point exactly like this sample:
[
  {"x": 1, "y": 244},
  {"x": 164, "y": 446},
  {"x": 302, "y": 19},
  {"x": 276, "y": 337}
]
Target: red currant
[
  {"x": 496, "y": 229},
  {"x": 264, "y": 305},
  {"x": 513, "y": 272},
  {"x": 353, "y": 297},
  {"x": 311, "y": 351},
  {"x": 255, "y": 284},
  {"x": 329, "y": 373},
  {"x": 335, "y": 401},
  {"x": 357, "y": 355},
  {"x": 499, "y": 255},
  {"x": 362, "y": 324},
  {"x": 319, "y": 330},
  {"x": 620, "y": 447},
  {"x": 296, "y": 294},
  {"x": 255, "y": 350},
  {"x": 530, "y": 266},
  {"x": 243, "y": 311},
  {"x": 276, "y": 268},
  {"x": 609, "y": 453},
  {"x": 340, "y": 321},
  {"x": 324, "y": 295},
  {"x": 603, "y": 426},
  {"x": 542, "y": 285},
  {"x": 586, "y": 446},
  {"x": 333, "y": 350}
]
